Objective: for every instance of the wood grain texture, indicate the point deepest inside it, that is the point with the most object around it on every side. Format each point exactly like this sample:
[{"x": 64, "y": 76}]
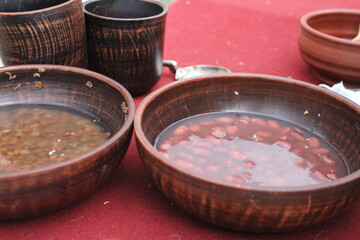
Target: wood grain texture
[
  {"x": 43, "y": 32},
  {"x": 326, "y": 46},
  {"x": 127, "y": 46},
  {"x": 38, "y": 191},
  {"x": 251, "y": 208}
]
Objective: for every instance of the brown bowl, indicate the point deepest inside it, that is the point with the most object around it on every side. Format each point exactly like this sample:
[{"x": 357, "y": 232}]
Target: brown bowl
[
  {"x": 252, "y": 208},
  {"x": 41, "y": 190},
  {"x": 326, "y": 46}
]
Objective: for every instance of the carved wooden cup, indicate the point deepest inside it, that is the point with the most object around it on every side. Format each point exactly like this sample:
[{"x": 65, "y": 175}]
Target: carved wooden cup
[
  {"x": 46, "y": 32},
  {"x": 125, "y": 41}
]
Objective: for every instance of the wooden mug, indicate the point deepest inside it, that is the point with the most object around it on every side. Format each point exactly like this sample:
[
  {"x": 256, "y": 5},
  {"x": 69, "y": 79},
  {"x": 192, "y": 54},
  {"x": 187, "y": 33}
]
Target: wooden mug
[
  {"x": 126, "y": 40},
  {"x": 43, "y": 31}
]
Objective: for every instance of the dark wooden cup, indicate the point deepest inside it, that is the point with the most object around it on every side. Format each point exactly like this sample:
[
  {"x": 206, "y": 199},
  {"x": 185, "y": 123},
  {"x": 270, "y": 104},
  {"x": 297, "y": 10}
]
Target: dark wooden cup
[
  {"x": 125, "y": 41},
  {"x": 46, "y": 32}
]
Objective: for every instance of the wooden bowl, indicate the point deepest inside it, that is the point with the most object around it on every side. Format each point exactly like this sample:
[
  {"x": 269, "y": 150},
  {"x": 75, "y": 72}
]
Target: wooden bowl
[
  {"x": 41, "y": 190},
  {"x": 252, "y": 208},
  {"x": 326, "y": 46}
]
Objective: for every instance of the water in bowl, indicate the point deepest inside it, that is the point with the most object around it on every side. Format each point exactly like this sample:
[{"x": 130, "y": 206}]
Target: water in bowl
[{"x": 239, "y": 148}]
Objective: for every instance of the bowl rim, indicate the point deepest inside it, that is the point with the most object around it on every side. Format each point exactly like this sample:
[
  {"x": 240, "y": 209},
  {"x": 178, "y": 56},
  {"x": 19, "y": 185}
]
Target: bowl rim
[
  {"x": 41, "y": 10},
  {"x": 305, "y": 19},
  {"x": 140, "y": 136},
  {"x": 83, "y": 157}
]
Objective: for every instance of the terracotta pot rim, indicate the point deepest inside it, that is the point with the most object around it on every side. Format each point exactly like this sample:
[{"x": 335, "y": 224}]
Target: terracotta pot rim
[
  {"x": 158, "y": 3},
  {"x": 305, "y": 19},
  {"x": 68, "y": 2},
  {"x": 83, "y": 157},
  {"x": 281, "y": 190}
]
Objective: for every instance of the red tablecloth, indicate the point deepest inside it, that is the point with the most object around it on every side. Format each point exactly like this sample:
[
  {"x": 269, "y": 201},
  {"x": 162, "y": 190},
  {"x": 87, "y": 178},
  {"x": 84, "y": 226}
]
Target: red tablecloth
[{"x": 257, "y": 36}]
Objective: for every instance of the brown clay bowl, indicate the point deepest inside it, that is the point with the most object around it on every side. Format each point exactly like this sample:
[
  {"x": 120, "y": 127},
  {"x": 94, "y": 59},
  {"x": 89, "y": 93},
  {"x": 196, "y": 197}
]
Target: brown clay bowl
[
  {"x": 41, "y": 190},
  {"x": 326, "y": 46},
  {"x": 252, "y": 208}
]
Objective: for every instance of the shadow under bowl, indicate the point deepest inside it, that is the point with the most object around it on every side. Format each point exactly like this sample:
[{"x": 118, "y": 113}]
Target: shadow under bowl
[
  {"x": 326, "y": 45},
  {"x": 252, "y": 208},
  {"x": 45, "y": 189}
]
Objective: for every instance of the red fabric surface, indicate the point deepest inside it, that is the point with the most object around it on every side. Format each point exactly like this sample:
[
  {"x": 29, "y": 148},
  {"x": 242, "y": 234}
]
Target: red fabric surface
[{"x": 258, "y": 36}]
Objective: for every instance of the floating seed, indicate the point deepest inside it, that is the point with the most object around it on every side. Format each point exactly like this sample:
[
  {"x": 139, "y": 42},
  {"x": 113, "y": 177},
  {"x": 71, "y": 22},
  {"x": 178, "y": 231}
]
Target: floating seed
[
  {"x": 17, "y": 86},
  {"x": 89, "y": 84},
  {"x": 38, "y": 84},
  {"x": 11, "y": 76},
  {"x": 124, "y": 108},
  {"x": 36, "y": 75}
]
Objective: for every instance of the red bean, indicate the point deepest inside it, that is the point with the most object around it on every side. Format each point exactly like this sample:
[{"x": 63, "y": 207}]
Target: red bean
[
  {"x": 319, "y": 175},
  {"x": 237, "y": 155},
  {"x": 232, "y": 129},
  {"x": 165, "y": 155},
  {"x": 207, "y": 123},
  {"x": 182, "y": 130},
  {"x": 297, "y": 136},
  {"x": 284, "y": 130},
  {"x": 203, "y": 144},
  {"x": 225, "y": 120},
  {"x": 326, "y": 160},
  {"x": 185, "y": 164},
  {"x": 247, "y": 175},
  {"x": 201, "y": 152},
  {"x": 259, "y": 122},
  {"x": 212, "y": 138},
  {"x": 285, "y": 138},
  {"x": 235, "y": 179},
  {"x": 296, "y": 151},
  {"x": 263, "y": 134},
  {"x": 273, "y": 124},
  {"x": 283, "y": 144},
  {"x": 244, "y": 121},
  {"x": 218, "y": 132},
  {"x": 165, "y": 145},
  {"x": 313, "y": 142},
  {"x": 185, "y": 156},
  {"x": 332, "y": 176},
  {"x": 196, "y": 128},
  {"x": 249, "y": 164},
  {"x": 319, "y": 150}
]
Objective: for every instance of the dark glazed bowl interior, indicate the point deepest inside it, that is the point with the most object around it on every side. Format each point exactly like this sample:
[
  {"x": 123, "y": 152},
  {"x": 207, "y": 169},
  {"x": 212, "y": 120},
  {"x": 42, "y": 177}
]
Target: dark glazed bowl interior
[
  {"x": 125, "y": 9},
  {"x": 41, "y": 190},
  {"x": 252, "y": 208},
  {"x": 26, "y": 6}
]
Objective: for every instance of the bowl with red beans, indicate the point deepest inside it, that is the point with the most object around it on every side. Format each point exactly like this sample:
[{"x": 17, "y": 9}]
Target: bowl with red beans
[{"x": 253, "y": 153}]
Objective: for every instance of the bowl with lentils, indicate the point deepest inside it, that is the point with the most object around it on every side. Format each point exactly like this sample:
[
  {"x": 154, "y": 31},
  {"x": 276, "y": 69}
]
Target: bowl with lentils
[{"x": 63, "y": 132}]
